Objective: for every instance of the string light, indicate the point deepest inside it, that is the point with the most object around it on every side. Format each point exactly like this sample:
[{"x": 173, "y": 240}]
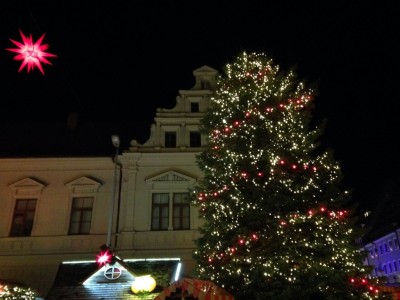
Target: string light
[{"x": 270, "y": 202}]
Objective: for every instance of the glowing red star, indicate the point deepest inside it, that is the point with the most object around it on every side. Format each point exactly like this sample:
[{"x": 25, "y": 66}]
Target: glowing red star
[
  {"x": 104, "y": 258},
  {"x": 32, "y": 54}
]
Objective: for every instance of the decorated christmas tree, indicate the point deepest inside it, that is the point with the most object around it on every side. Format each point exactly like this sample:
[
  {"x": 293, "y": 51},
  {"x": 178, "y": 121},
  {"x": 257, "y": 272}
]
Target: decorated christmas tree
[{"x": 277, "y": 223}]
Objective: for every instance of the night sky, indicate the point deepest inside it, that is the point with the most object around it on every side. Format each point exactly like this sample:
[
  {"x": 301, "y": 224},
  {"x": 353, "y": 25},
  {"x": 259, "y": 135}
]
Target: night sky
[{"x": 117, "y": 61}]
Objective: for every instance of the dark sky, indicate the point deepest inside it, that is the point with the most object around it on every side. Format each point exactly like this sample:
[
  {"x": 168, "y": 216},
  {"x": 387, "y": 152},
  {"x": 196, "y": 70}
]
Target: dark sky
[{"x": 117, "y": 61}]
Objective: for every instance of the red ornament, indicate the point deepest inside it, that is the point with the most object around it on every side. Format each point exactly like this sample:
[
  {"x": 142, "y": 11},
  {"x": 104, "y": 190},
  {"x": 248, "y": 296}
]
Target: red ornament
[
  {"x": 32, "y": 54},
  {"x": 104, "y": 258}
]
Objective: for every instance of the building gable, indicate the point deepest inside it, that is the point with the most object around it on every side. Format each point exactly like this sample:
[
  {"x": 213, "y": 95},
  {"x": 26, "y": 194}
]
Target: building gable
[
  {"x": 83, "y": 185},
  {"x": 171, "y": 178},
  {"x": 27, "y": 186}
]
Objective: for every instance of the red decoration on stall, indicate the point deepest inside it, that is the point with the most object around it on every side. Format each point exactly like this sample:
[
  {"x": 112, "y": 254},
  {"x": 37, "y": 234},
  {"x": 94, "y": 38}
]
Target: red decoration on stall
[{"x": 105, "y": 256}]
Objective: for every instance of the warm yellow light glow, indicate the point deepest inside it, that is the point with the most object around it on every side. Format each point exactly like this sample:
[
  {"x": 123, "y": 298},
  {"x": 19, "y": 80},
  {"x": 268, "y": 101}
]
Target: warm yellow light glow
[{"x": 144, "y": 283}]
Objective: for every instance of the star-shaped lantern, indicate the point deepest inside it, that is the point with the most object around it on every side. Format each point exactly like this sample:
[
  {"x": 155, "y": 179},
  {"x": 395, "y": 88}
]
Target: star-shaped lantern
[
  {"x": 32, "y": 54},
  {"x": 104, "y": 258}
]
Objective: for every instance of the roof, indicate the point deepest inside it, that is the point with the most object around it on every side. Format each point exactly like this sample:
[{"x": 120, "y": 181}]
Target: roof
[
  {"x": 197, "y": 288},
  {"x": 85, "y": 280},
  {"x": 385, "y": 214}
]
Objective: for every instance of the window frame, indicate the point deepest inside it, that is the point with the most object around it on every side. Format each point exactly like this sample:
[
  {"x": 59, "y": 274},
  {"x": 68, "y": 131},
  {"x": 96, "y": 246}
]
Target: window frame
[
  {"x": 160, "y": 208},
  {"x": 182, "y": 207},
  {"x": 26, "y": 188},
  {"x": 25, "y": 229},
  {"x": 81, "y": 211},
  {"x": 169, "y": 208},
  {"x": 170, "y": 139},
  {"x": 194, "y": 107},
  {"x": 82, "y": 187},
  {"x": 194, "y": 139},
  {"x": 171, "y": 182}
]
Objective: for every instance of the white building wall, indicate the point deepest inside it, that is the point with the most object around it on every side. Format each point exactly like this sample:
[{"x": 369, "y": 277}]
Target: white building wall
[{"x": 33, "y": 260}]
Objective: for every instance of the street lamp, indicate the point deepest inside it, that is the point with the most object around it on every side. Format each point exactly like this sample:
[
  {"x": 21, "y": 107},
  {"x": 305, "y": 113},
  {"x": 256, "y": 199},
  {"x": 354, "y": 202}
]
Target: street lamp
[{"x": 116, "y": 143}]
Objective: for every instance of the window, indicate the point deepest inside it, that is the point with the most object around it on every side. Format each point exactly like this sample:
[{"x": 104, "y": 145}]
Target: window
[
  {"x": 83, "y": 192},
  {"x": 81, "y": 215},
  {"x": 195, "y": 139},
  {"x": 25, "y": 206},
  {"x": 159, "y": 212},
  {"x": 160, "y": 219},
  {"x": 205, "y": 85},
  {"x": 194, "y": 107},
  {"x": 170, "y": 139},
  {"x": 181, "y": 206},
  {"x": 112, "y": 273},
  {"x": 170, "y": 201},
  {"x": 371, "y": 252},
  {"x": 390, "y": 245},
  {"x": 23, "y": 218}
]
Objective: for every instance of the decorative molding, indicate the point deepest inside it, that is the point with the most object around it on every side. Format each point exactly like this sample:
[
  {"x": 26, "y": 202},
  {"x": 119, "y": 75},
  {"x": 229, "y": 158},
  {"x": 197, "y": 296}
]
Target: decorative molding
[
  {"x": 83, "y": 185},
  {"x": 171, "y": 176},
  {"x": 171, "y": 179},
  {"x": 27, "y": 187}
]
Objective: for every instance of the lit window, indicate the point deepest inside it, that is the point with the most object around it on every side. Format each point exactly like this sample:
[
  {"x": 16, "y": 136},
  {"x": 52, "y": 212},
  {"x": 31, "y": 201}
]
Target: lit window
[
  {"x": 81, "y": 215},
  {"x": 23, "y": 218}
]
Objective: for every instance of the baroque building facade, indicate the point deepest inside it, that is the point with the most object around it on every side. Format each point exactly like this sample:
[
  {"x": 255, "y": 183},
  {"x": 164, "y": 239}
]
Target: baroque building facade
[{"x": 59, "y": 209}]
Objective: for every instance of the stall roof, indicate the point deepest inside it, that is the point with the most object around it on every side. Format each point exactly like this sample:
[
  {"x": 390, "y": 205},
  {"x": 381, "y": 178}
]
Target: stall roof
[
  {"x": 195, "y": 288},
  {"x": 85, "y": 280}
]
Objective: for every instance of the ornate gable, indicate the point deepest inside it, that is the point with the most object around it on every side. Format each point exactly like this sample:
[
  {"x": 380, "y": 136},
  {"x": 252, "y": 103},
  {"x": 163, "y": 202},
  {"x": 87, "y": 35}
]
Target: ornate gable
[
  {"x": 171, "y": 179},
  {"x": 83, "y": 185},
  {"x": 27, "y": 186},
  {"x": 205, "y": 78}
]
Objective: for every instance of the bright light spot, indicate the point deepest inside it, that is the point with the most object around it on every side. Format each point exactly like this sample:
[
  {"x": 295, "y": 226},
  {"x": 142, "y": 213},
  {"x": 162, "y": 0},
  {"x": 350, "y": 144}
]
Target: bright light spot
[
  {"x": 103, "y": 258},
  {"x": 177, "y": 272},
  {"x": 144, "y": 283},
  {"x": 32, "y": 54}
]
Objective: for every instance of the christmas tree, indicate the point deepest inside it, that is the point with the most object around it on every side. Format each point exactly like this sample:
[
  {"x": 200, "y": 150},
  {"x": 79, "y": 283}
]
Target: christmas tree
[{"x": 277, "y": 223}]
